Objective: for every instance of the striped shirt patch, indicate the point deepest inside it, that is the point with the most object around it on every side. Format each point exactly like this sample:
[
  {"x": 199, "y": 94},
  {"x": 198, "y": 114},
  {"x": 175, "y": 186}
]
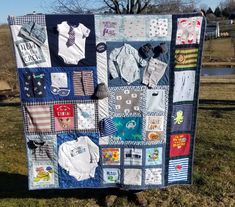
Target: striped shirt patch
[
  {"x": 178, "y": 170},
  {"x": 38, "y": 118},
  {"x": 186, "y": 58}
]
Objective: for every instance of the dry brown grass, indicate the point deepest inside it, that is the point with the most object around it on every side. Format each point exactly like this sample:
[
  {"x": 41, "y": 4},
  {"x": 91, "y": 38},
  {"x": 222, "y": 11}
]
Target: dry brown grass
[{"x": 7, "y": 59}]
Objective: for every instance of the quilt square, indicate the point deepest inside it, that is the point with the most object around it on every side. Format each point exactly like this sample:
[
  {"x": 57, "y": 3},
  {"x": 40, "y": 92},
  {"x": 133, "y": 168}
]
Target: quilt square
[
  {"x": 59, "y": 84},
  {"x": 188, "y": 30},
  {"x": 83, "y": 83},
  {"x": 153, "y": 156},
  {"x": 186, "y": 58},
  {"x": 34, "y": 84},
  {"x": 181, "y": 119},
  {"x": 87, "y": 116},
  {"x": 38, "y": 118},
  {"x": 127, "y": 101},
  {"x": 184, "y": 86},
  {"x": 43, "y": 175},
  {"x": 153, "y": 176},
  {"x": 64, "y": 116},
  {"x": 132, "y": 156},
  {"x": 41, "y": 148},
  {"x": 134, "y": 27},
  {"x": 109, "y": 28},
  {"x": 178, "y": 170},
  {"x": 132, "y": 176},
  {"x": 111, "y": 175},
  {"x": 111, "y": 156},
  {"x": 156, "y": 100},
  {"x": 179, "y": 145},
  {"x": 158, "y": 27},
  {"x": 154, "y": 123},
  {"x": 128, "y": 128}
]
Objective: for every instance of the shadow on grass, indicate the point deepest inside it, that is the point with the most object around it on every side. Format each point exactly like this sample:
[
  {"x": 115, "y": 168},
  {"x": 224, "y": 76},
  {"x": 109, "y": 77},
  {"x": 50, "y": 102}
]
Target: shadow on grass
[{"x": 16, "y": 186}]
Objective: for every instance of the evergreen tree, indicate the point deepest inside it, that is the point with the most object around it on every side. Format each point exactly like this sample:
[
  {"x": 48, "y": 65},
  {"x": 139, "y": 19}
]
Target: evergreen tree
[
  {"x": 209, "y": 11},
  {"x": 217, "y": 12}
]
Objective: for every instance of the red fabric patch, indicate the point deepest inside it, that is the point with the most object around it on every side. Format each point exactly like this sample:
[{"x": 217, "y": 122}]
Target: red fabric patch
[
  {"x": 64, "y": 117},
  {"x": 63, "y": 110},
  {"x": 179, "y": 144}
]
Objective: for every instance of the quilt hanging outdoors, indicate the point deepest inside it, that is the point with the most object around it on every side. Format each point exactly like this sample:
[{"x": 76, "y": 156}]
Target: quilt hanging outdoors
[{"x": 108, "y": 100}]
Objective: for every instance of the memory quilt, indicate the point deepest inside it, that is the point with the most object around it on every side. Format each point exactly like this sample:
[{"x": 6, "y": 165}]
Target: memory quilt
[{"x": 108, "y": 100}]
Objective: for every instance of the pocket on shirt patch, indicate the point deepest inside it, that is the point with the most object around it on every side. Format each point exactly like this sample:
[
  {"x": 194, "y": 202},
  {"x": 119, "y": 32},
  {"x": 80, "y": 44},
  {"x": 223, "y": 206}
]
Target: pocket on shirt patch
[{"x": 64, "y": 117}]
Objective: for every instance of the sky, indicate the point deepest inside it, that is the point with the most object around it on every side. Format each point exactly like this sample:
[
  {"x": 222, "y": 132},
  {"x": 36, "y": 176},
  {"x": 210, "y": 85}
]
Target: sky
[{"x": 22, "y": 7}]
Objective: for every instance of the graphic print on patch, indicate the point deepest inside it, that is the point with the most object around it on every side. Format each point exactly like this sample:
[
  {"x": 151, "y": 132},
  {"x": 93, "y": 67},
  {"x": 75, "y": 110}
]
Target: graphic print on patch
[
  {"x": 64, "y": 116},
  {"x": 59, "y": 84},
  {"x": 72, "y": 42},
  {"x": 128, "y": 128},
  {"x": 178, "y": 170},
  {"x": 111, "y": 156},
  {"x": 109, "y": 28},
  {"x": 180, "y": 144},
  {"x": 111, "y": 175},
  {"x": 181, "y": 118},
  {"x": 153, "y": 156},
  {"x": 30, "y": 52},
  {"x": 154, "y": 128},
  {"x": 153, "y": 176},
  {"x": 43, "y": 175},
  {"x": 86, "y": 115},
  {"x": 188, "y": 30}
]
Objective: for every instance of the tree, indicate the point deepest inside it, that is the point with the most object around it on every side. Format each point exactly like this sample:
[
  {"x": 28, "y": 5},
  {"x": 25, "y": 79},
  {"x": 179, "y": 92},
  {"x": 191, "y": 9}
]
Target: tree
[
  {"x": 227, "y": 7},
  {"x": 217, "y": 12},
  {"x": 123, "y": 6},
  {"x": 209, "y": 11}
]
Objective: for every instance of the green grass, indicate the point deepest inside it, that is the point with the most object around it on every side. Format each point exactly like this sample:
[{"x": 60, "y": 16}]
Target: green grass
[{"x": 213, "y": 174}]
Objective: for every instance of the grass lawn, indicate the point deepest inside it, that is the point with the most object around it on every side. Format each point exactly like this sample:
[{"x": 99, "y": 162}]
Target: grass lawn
[
  {"x": 221, "y": 47},
  {"x": 213, "y": 176}
]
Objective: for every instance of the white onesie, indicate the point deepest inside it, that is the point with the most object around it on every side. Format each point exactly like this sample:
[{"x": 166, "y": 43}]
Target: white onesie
[
  {"x": 76, "y": 52},
  {"x": 79, "y": 157}
]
